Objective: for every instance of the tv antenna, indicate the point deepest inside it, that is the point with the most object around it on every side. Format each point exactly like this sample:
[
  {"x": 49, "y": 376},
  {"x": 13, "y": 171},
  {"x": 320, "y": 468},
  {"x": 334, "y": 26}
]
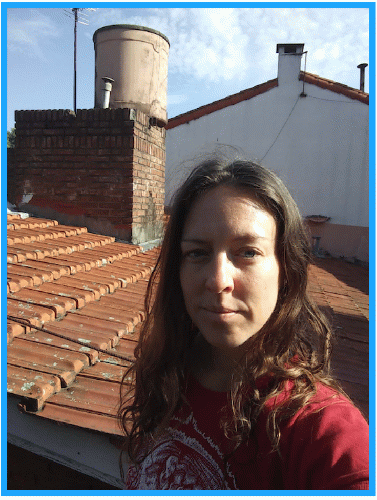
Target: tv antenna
[{"x": 80, "y": 17}]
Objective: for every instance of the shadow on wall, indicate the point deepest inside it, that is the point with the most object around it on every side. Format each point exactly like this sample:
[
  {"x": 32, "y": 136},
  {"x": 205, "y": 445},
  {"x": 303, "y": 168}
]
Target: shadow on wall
[{"x": 27, "y": 471}]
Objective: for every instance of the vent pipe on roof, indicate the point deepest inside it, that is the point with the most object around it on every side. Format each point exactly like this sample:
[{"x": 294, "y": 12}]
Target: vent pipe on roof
[
  {"x": 362, "y": 67},
  {"x": 106, "y": 90}
]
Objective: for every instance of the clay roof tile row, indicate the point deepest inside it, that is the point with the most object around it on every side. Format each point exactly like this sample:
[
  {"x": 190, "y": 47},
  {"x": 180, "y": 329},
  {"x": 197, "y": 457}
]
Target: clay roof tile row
[
  {"x": 74, "y": 300},
  {"x": 74, "y": 319}
]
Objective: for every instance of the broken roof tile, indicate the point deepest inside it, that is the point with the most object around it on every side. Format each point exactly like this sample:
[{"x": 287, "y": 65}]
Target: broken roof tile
[
  {"x": 43, "y": 358},
  {"x": 14, "y": 329},
  {"x": 86, "y": 393},
  {"x": 33, "y": 388}
]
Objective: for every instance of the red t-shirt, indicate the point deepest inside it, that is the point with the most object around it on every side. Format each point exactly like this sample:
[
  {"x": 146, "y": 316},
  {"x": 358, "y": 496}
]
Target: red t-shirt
[{"x": 323, "y": 447}]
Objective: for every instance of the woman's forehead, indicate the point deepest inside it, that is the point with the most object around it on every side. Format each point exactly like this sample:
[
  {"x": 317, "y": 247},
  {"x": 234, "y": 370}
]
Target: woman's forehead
[
  {"x": 232, "y": 193},
  {"x": 229, "y": 209}
]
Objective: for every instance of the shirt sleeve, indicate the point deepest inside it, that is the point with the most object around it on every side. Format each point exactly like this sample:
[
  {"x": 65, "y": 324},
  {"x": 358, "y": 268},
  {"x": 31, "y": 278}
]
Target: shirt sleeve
[{"x": 327, "y": 447}]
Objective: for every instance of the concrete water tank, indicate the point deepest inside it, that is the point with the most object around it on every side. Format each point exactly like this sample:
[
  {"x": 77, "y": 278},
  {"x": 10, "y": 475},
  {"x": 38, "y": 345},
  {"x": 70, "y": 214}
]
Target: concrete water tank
[{"x": 136, "y": 58}]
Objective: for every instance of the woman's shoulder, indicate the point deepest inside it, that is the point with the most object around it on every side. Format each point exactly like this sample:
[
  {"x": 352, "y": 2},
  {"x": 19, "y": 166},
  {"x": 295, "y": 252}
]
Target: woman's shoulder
[
  {"x": 329, "y": 440},
  {"x": 327, "y": 412},
  {"x": 322, "y": 397}
]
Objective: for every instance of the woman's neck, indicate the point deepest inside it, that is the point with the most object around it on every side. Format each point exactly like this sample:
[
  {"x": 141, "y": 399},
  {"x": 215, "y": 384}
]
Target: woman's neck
[{"x": 214, "y": 368}]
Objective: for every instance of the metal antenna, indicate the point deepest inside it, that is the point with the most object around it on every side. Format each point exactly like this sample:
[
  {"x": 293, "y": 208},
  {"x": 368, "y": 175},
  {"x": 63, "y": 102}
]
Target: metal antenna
[{"x": 79, "y": 17}]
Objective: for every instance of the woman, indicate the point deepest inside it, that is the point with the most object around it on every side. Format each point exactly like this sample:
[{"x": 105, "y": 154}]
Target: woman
[{"x": 231, "y": 387}]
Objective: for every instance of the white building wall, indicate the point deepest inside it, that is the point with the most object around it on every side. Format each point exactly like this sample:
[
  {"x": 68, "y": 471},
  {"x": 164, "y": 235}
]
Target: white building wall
[{"x": 321, "y": 153}]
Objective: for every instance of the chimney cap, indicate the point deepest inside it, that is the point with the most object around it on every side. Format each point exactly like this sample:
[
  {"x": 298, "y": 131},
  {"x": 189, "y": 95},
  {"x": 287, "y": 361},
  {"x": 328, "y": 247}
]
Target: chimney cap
[{"x": 290, "y": 48}]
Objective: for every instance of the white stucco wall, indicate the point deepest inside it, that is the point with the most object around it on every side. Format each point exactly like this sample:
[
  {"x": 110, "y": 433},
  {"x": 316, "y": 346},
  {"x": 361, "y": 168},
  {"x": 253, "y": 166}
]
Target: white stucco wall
[{"x": 321, "y": 153}]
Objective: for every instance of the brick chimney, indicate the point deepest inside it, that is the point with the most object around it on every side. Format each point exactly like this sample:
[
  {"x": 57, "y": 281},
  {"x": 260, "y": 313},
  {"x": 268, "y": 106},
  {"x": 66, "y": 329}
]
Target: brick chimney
[
  {"x": 289, "y": 63},
  {"x": 101, "y": 168}
]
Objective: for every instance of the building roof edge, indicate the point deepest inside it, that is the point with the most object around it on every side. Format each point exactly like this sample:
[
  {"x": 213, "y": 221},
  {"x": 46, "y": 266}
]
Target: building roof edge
[
  {"x": 230, "y": 100},
  {"x": 247, "y": 94},
  {"x": 339, "y": 88}
]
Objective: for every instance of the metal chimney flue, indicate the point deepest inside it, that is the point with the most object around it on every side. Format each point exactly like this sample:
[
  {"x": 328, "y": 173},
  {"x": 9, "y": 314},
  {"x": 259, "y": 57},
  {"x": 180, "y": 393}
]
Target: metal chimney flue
[
  {"x": 106, "y": 91},
  {"x": 362, "y": 67}
]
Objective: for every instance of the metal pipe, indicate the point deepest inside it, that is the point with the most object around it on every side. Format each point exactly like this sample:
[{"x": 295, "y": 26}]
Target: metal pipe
[
  {"x": 362, "y": 67},
  {"x": 74, "y": 61},
  {"x": 108, "y": 85}
]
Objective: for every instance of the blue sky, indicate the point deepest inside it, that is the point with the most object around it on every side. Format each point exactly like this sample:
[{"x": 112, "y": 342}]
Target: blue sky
[{"x": 214, "y": 52}]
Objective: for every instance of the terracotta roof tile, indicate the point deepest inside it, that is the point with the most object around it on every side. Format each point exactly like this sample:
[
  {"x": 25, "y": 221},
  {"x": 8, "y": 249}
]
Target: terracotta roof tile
[
  {"x": 74, "y": 319},
  {"x": 14, "y": 329},
  {"x": 43, "y": 265},
  {"x": 34, "y": 314},
  {"x": 122, "y": 354},
  {"x": 67, "y": 265},
  {"x": 15, "y": 257},
  {"x": 101, "y": 397},
  {"x": 26, "y": 269},
  {"x": 87, "y": 419},
  {"x": 22, "y": 252},
  {"x": 22, "y": 236},
  {"x": 60, "y": 305},
  {"x": 16, "y": 282},
  {"x": 102, "y": 276},
  {"x": 55, "y": 341},
  {"x": 32, "y": 386},
  {"x": 84, "y": 333},
  {"x": 80, "y": 297},
  {"x": 104, "y": 371},
  {"x": 46, "y": 359},
  {"x": 16, "y": 222}
]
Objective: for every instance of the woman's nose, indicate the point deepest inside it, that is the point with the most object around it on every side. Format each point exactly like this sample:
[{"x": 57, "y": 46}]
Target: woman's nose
[{"x": 220, "y": 275}]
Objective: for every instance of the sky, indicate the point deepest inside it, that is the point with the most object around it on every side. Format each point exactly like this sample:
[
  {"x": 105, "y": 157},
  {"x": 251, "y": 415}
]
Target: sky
[{"x": 214, "y": 52}]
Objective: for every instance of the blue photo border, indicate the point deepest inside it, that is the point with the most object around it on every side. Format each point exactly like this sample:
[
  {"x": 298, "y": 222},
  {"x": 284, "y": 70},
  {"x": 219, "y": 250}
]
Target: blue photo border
[{"x": 372, "y": 241}]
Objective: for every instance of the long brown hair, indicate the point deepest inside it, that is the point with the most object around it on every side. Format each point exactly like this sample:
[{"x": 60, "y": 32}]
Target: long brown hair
[{"x": 294, "y": 343}]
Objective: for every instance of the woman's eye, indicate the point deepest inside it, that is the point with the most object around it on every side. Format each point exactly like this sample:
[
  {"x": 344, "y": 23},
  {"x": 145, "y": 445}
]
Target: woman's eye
[
  {"x": 249, "y": 253},
  {"x": 195, "y": 254}
]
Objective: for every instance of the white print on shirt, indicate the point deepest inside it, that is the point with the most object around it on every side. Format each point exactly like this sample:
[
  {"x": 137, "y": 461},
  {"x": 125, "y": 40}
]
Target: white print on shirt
[{"x": 181, "y": 459}]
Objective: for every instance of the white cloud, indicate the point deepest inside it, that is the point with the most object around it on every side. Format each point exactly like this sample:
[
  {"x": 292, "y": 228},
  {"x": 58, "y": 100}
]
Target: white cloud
[
  {"x": 239, "y": 44},
  {"x": 319, "y": 54},
  {"x": 28, "y": 35},
  {"x": 205, "y": 43}
]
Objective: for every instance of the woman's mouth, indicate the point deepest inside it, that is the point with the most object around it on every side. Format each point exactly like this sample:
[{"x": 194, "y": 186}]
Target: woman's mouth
[{"x": 219, "y": 313}]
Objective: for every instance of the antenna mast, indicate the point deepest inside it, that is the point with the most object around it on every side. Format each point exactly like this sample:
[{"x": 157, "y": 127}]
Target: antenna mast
[
  {"x": 81, "y": 20},
  {"x": 75, "y": 60}
]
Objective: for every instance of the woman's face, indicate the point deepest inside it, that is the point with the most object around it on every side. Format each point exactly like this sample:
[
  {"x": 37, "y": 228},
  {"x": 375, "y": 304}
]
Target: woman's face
[{"x": 230, "y": 272}]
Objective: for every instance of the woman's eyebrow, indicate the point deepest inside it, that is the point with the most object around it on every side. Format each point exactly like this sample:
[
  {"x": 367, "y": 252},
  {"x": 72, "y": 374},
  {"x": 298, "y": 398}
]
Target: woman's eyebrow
[
  {"x": 192, "y": 240},
  {"x": 250, "y": 237},
  {"x": 241, "y": 238}
]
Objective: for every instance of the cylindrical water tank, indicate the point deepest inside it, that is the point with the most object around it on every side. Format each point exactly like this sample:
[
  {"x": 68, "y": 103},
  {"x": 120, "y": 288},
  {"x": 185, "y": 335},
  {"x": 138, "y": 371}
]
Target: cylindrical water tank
[{"x": 136, "y": 58}]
